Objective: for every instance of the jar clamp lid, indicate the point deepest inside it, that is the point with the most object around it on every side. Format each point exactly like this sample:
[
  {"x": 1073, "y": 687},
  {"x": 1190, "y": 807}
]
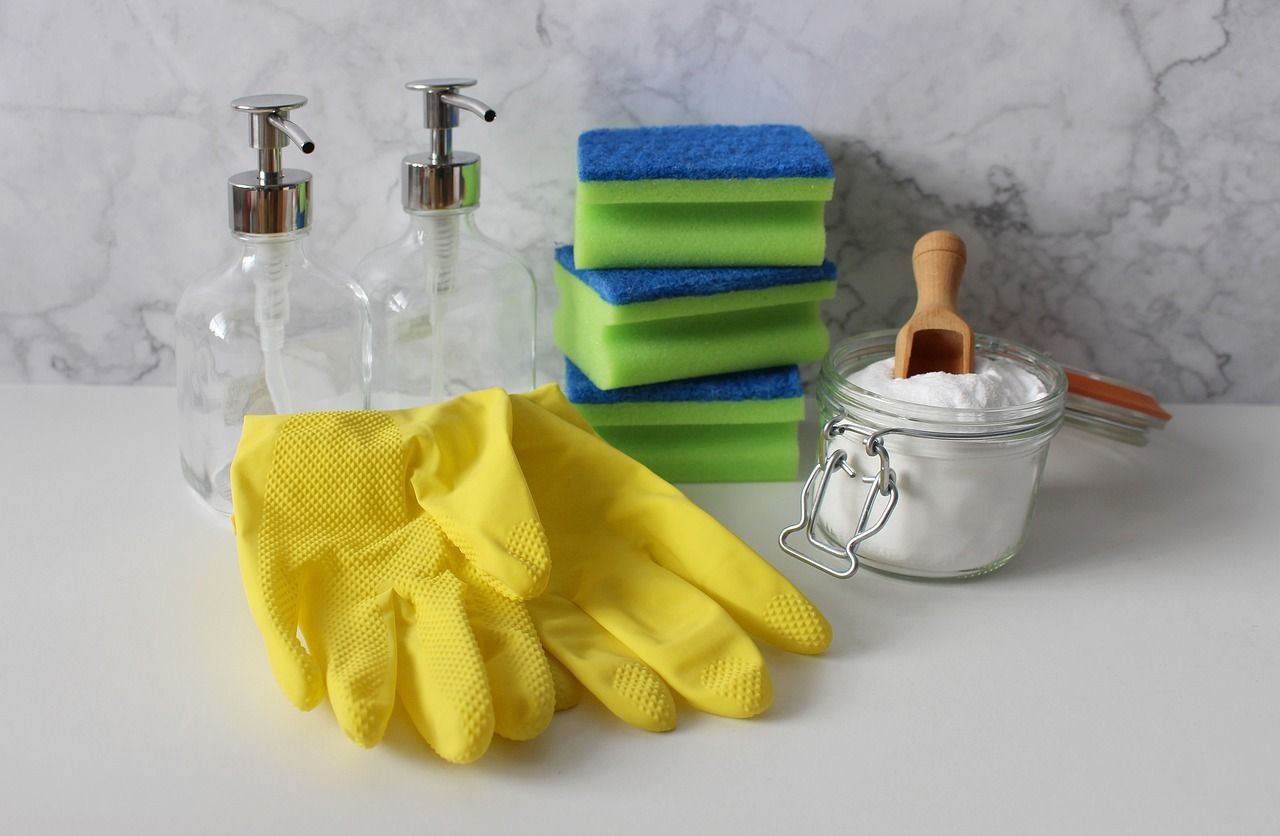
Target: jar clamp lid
[{"x": 883, "y": 485}]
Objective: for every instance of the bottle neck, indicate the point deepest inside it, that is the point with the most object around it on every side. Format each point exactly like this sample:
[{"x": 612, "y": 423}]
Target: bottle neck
[
  {"x": 433, "y": 222},
  {"x": 440, "y": 230},
  {"x": 264, "y": 243},
  {"x": 438, "y": 237}
]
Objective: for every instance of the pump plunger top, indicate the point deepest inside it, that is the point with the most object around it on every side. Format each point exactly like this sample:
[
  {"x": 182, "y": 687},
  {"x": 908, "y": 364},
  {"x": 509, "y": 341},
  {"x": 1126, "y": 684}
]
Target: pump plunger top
[
  {"x": 273, "y": 199},
  {"x": 442, "y": 178}
]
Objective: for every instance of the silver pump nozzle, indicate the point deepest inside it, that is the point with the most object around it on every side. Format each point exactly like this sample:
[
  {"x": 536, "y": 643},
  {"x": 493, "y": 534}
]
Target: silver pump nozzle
[
  {"x": 442, "y": 178},
  {"x": 272, "y": 199}
]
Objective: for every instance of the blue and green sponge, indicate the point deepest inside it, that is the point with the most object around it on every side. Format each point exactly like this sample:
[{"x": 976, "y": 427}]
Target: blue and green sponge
[
  {"x": 738, "y": 427},
  {"x": 713, "y": 195},
  {"x": 629, "y": 327}
]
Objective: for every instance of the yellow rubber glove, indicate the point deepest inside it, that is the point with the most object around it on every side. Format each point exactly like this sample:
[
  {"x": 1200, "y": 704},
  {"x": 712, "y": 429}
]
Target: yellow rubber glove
[
  {"x": 646, "y": 589},
  {"x": 399, "y": 543}
]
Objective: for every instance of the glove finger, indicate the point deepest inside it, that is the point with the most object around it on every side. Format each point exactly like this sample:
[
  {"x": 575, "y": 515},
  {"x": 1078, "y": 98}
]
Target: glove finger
[
  {"x": 693, "y": 644},
  {"x": 273, "y": 596},
  {"x": 694, "y": 546},
  {"x": 568, "y": 689},
  {"x": 520, "y": 680},
  {"x": 466, "y": 475},
  {"x": 686, "y": 540},
  {"x": 628, "y": 687},
  {"x": 442, "y": 680},
  {"x": 271, "y": 583},
  {"x": 358, "y": 650}
]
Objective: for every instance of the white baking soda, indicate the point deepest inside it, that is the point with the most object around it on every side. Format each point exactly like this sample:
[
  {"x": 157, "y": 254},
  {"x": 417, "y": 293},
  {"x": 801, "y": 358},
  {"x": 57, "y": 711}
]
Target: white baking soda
[
  {"x": 962, "y": 505},
  {"x": 995, "y": 384}
]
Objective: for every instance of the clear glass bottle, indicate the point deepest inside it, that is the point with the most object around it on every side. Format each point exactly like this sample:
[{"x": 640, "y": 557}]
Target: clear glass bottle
[
  {"x": 452, "y": 310},
  {"x": 272, "y": 332}
]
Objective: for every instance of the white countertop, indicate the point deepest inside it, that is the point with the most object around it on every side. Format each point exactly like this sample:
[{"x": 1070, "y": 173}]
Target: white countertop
[{"x": 1121, "y": 674}]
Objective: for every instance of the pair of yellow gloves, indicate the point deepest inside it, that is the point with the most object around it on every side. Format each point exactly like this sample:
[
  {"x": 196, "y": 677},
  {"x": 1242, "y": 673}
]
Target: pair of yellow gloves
[{"x": 485, "y": 558}]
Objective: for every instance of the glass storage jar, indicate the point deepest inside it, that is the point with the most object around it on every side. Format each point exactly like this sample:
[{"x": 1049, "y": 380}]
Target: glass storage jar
[{"x": 923, "y": 491}]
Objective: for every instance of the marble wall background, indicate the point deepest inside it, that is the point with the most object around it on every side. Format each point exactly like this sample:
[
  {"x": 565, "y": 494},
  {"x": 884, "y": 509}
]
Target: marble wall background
[{"x": 1114, "y": 166}]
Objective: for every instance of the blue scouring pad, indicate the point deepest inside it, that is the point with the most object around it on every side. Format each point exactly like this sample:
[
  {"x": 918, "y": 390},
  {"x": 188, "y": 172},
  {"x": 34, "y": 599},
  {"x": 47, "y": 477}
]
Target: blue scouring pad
[
  {"x": 625, "y": 286},
  {"x": 760, "y": 396},
  {"x": 626, "y": 296},
  {"x": 701, "y": 152},
  {"x": 757, "y": 384}
]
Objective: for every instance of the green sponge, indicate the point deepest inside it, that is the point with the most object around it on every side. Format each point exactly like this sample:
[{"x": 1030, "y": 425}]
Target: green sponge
[
  {"x": 774, "y": 190},
  {"x": 719, "y": 339},
  {"x": 698, "y": 234},
  {"x": 682, "y": 414},
  {"x": 712, "y": 453},
  {"x": 670, "y": 349},
  {"x": 701, "y": 195}
]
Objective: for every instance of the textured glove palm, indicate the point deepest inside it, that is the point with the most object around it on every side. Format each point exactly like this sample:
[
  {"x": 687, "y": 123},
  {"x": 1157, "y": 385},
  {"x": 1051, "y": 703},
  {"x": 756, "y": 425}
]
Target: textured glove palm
[{"x": 393, "y": 594}]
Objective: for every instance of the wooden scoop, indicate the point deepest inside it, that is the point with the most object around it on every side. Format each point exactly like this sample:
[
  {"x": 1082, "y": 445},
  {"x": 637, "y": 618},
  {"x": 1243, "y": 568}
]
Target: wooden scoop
[{"x": 935, "y": 338}]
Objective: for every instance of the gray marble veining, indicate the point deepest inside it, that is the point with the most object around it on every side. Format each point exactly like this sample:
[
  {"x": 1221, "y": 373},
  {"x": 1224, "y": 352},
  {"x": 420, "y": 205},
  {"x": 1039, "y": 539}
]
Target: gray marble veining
[{"x": 1114, "y": 167}]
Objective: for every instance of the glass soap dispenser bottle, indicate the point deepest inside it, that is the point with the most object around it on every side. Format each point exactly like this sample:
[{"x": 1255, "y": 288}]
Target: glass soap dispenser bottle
[
  {"x": 453, "y": 311},
  {"x": 272, "y": 332}
]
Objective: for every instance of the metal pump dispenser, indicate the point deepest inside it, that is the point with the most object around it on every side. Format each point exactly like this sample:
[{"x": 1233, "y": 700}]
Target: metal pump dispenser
[
  {"x": 453, "y": 311},
  {"x": 273, "y": 199},
  {"x": 443, "y": 178},
  {"x": 272, "y": 330}
]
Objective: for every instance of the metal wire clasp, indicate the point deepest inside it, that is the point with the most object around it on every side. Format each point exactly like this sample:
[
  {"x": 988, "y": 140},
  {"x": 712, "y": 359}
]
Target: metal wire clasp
[{"x": 883, "y": 484}]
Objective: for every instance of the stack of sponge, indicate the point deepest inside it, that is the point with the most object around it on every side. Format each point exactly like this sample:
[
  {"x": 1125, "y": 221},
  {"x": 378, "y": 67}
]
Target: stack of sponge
[{"x": 691, "y": 293}]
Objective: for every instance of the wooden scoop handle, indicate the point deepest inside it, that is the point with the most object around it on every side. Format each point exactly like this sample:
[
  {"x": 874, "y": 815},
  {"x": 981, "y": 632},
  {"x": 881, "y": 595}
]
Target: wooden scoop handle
[
  {"x": 936, "y": 338},
  {"x": 938, "y": 259}
]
